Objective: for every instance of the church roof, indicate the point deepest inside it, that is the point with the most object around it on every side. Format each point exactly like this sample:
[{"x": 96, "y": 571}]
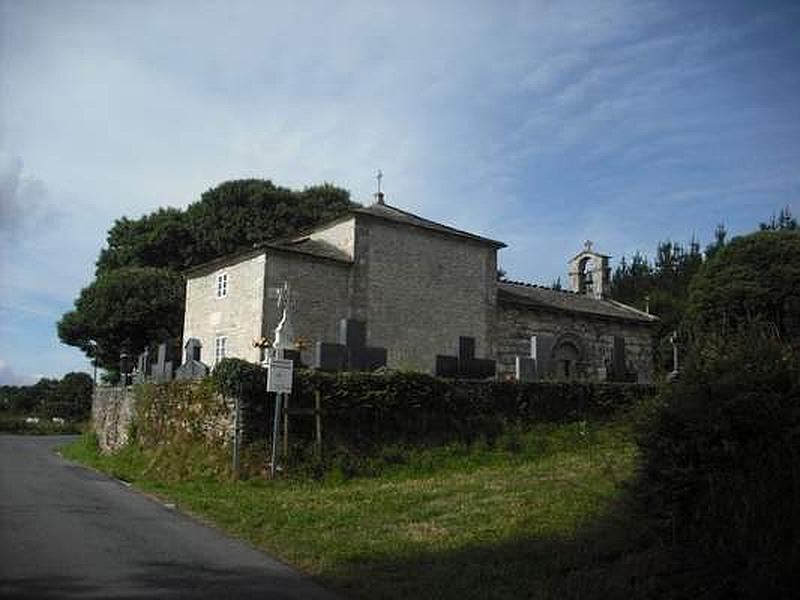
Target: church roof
[
  {"x": 391, "y": 213},
  {"x": 318, "y": 248},
  {"x": 308, "y": 247},
  {"x": 535, "y": 296}
]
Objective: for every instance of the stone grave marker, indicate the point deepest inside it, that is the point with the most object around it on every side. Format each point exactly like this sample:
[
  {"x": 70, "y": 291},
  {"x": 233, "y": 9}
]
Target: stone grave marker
[
  {"x": 163, "y": 370},
  {"x": 465, "y": 365},
  {"x": 351, "y": 353},
  {"x": 535, "y": 366},
  {"x": 192, "y": 368},
  {"x": 142, "y": 367}
]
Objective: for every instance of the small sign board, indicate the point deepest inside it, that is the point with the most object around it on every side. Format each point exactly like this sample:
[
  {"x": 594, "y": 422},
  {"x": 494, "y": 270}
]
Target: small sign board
[{"x": 279, "y": 375}]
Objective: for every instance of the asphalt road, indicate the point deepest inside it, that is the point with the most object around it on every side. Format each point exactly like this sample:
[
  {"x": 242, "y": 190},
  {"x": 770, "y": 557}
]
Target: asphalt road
[{"x": 68, "y": 532}]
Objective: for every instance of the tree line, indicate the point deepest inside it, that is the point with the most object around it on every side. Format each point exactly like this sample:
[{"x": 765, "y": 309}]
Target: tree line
[
  {"x": 69, "y": 398},
  {"x": 137, "y": 295},
  {"x": 669, "y": 288}
]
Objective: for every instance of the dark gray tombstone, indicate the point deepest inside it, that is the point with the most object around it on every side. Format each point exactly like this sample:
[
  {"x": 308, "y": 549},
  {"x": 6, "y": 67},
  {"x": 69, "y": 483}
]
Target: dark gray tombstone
[
  {"x": 542, "y": 352},
  {"x": 525, "y": 369},
  {"x": 465, "y": 365},
  {"x": 192, "y": 368},
  {"x": 192, "y": 350},
  {"x": 164, "y": 368},
  {"x": 330, "y": 357},
  {"x": 351, "y": 353},
  {"x": 618, "y": 359}
]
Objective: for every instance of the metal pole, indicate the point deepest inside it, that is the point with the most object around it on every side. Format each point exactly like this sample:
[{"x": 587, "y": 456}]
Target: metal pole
[
  {"x": 237, "y": 436},
  {"x": 318, "y": 419},
  {"x": 275, "y": 431},
  {"x": 286, "y": 427}
]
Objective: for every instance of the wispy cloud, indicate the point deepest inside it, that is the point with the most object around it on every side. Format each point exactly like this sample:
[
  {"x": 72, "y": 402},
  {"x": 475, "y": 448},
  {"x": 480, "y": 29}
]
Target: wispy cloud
[{"x": 538, "y": 123}]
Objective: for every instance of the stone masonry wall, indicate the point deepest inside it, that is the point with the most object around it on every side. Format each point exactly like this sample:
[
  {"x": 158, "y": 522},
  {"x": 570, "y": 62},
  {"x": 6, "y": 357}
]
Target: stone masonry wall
[
  {"x": 113, "y": 410},
  {"x": 516, "y": 325},
  {"x": 169, "y": 411},
  {"x": 237, "y": 316},
  {"x": 320, "y": 291},
  {"x": 341, "y": 235},
  {"x": 419, "y": 291}
]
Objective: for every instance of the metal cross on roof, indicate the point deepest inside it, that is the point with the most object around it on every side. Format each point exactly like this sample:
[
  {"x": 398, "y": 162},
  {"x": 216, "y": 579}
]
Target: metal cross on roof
[{"x": 379, "y": 177}]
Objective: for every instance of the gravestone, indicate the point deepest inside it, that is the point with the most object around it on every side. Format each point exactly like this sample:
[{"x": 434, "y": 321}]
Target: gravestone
[
  {"x": 192, "y": 368},
  {"x": 620, "y": 368},
  {"x": 142, "y": 367},
  {"x": 465, "y": 365},
  {"x": 192, "y": 350},
  {"x": 542, "y": 352},
  {"x": 164, "y": 368},
  {"x": 525, "y": 369},
  {"x": 537, "y": 365},
  {"x": 351, "y": 353}
]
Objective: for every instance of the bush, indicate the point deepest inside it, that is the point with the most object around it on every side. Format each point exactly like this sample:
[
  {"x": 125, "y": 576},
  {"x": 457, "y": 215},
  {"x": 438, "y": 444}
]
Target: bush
[
  {"x": 721, "y": 467},
  {"x": 363, "y": 410}
]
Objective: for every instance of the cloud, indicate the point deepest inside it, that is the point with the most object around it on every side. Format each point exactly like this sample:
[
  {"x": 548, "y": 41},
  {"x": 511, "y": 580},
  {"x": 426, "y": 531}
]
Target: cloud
[
  {"x": 24, "y": 201},
  {"x": 9, "y": 377}
]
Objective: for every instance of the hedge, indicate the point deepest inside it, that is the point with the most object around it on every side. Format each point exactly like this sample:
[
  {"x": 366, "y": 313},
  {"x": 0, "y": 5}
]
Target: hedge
[{"x": 361, "y": 410}]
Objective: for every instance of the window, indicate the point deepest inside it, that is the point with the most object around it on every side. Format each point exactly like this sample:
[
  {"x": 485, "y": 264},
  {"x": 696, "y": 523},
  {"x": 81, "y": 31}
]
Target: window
[
  {"x": 222, "y": 285},
  {"x": 220, "y": 348}
]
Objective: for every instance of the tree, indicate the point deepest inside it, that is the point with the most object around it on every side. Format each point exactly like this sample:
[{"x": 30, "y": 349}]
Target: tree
[
  {"x": 755, "y": 277},
  {"x": 125, "y": 309},
  {"x": 160, "y": 239},
  {"x": 720, "y": 233},
  {"x": 74, "y": 394},
  {"x": 785, "y": 221},
  {"x": 238, "y": 214}
]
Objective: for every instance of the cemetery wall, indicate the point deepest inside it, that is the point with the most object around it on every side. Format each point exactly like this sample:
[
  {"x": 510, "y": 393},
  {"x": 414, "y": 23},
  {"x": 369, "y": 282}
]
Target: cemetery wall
[
  {"x": 237, "y": 316},
  {"x": 162, "y": 414},
  {"x": 595, "y": 336},
  {"x": 419, "y": 291},
  {"x": 113, "y": 410}
]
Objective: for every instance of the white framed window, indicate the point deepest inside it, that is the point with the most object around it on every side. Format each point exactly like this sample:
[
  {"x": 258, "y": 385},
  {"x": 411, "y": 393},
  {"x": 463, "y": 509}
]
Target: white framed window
[
  {"x": 222, "y": 285},
  {"x": 220, "y": 347}
]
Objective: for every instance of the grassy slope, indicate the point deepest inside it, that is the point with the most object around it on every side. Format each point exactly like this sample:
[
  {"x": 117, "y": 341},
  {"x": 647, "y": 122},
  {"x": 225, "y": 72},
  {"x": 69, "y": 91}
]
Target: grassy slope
[{"x": 530, "y": 520}]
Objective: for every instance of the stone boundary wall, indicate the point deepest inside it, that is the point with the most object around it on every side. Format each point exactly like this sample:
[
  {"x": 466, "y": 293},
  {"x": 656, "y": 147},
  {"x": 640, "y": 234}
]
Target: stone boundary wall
[
  {"x": 168, "y": 412},
  {"x": 113, "y": 410}
]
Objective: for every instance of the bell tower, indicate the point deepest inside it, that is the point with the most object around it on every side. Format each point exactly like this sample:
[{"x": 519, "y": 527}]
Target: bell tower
[{"x": 589, "y": 273}]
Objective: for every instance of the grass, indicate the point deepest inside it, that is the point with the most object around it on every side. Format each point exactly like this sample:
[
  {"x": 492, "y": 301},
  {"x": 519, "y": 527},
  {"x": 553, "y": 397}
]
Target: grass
[{"x": 538, "y": 514}]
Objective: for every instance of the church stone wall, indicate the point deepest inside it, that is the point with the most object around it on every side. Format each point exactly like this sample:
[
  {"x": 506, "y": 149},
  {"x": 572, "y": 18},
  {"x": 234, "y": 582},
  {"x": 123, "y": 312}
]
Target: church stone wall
[
  {"x": 340, "y": 235},
  {"x": 237, "y": 316},
  {"x": 516, "y": 325},
  {"x": 320, "y": 292},
  {"x": 419, "y": 291}
]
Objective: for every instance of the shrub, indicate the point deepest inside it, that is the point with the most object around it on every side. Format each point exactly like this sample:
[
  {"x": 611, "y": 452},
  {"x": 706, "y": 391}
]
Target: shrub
[{"x": 721, "y": 467}]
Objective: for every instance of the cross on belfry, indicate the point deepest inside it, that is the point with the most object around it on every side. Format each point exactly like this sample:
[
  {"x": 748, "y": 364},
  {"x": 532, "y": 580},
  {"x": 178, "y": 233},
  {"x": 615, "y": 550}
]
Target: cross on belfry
[
  {"x": 587, "y": 245},
  {"x": 379, "y": 177}
]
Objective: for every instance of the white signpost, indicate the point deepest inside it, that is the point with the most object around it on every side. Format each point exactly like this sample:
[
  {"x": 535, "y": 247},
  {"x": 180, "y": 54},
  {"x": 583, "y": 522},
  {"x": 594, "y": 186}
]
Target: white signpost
[
  {"x": 279, "y": 375},
  {"x": 280, "y": 370}
]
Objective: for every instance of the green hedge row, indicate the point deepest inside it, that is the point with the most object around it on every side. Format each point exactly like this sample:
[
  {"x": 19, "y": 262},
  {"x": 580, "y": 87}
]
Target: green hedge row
[{"x": 361, "y": 410}]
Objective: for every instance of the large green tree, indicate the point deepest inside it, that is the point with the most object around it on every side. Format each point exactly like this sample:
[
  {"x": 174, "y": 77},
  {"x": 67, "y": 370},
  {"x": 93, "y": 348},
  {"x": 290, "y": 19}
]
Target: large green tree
[
  {"x": 125, "y": 310},
  {"x": 754, "y": 278}
]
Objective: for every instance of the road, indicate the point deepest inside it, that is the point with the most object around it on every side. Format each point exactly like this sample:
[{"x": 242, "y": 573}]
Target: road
[{"x": 69, "y": 532}]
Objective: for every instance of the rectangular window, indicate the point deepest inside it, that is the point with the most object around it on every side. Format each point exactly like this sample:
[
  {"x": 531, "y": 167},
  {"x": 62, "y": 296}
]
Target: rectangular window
[
  {"x": 222, "y": 285},
  {"x": 220, "y": 348}
]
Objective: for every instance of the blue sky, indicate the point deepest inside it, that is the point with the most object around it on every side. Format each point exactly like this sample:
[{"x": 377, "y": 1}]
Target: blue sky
[{"x": 538, "y": 123}]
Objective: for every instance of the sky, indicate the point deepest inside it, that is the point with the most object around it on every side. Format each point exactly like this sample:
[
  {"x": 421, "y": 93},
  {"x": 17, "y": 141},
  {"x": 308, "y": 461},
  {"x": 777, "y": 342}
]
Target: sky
[{"x": 541, "y": 124}]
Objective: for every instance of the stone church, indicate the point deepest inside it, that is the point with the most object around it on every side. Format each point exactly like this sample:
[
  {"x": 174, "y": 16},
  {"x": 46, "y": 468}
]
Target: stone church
[{"x": 423, "y": 292}]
